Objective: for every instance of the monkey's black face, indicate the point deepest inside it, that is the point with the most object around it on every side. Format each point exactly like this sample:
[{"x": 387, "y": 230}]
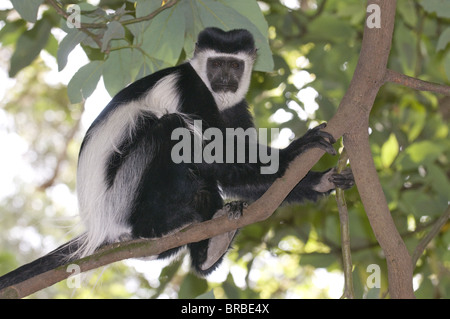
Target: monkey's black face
[{"x": 224, "y": 73}]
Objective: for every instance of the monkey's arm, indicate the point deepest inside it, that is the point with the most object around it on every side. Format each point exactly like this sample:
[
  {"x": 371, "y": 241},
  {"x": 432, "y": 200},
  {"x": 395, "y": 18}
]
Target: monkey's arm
[{"x": 246, "y": 181}]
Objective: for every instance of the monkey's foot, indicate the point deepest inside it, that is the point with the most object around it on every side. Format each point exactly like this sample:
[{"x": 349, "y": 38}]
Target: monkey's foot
[
  {"x": 234, "y": 209},
  {"x": 332, "y": 180},
  {"x": 344, "y": 180},
  {"x": 219, "y": 244}
]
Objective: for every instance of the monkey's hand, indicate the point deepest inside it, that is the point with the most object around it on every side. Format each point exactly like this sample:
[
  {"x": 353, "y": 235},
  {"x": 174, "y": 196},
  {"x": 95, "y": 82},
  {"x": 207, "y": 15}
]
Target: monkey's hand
[{"x": 313, "y": 138}]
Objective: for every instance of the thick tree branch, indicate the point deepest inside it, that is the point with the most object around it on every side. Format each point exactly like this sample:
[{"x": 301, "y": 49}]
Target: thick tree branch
[
  {"x": 354, "y": 111},
  {"x": 258, "y": 211}
]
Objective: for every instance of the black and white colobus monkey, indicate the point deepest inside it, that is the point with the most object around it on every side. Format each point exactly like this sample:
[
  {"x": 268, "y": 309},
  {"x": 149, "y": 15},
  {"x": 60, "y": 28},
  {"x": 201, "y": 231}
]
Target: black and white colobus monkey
[{"x": 128, "y": 184}]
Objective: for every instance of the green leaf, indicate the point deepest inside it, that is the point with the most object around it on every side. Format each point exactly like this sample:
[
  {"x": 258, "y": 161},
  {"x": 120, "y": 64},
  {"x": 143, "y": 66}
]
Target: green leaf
[
  {"x": 440, "y": 7},
  {"x": 405, "y": 43},
  {"x": 114, "y": 30},
  {"x": 438, "y": 180},
  {"x": 444, "y": 39},
  {"x": 70, "y": 41},
  {"x": 11, "y": 31},
  {"x": 29, "y": 45},
  {"x": 421, "y": 204},
  {"x": 117, "y": 72},
  {"x": 389, "y": 151},
  {"x": 192, "y": 286},
  {"x": 52, "y": 45},
  {"x": 408, "y": 12},
  {"x": 251, "y": 11},
  {"x": 330, "y": 28},
  {"x": 145, "y": 7},
  {"x": 447, "y": 65},
  {"x": 28, "y": 9},
  {"x": 413, "y": 116},
  {"x": 163, "y": 37},
  {"x": 84, "y": 82},
  {"x": 317, "y": 260},
  {"x": 207, "y": 295},
  {"x": 373, "y": 293},
  {"x": 419, "y": 153}
]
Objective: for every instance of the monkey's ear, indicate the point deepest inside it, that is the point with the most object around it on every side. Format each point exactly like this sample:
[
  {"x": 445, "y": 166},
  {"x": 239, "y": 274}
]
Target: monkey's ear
[
  {"x": 196, "y": 50},
  {"x": 254, "y": 54}
]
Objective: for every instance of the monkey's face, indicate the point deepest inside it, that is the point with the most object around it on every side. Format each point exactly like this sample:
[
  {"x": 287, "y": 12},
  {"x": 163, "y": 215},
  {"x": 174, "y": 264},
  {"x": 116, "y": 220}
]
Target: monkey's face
[{"x": 224, "y": 73}]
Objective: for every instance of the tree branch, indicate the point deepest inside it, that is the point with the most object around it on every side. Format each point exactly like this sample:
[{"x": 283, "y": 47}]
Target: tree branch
[
  {"x": 345, "y": 233},
  {"x": 395, "y": 77},
  {"x": 260, "y": 210},
  {"x": 440, "y": 222},
  {"x": 354, "y": 111},
  {"x": 84, "y": 27},
  {"x": 65, "y": 15},
  {"x": 151, "y": 15}
]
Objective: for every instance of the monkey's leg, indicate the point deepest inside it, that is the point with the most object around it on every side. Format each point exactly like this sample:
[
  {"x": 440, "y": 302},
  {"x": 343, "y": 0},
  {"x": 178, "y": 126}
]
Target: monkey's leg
[{"x": 208, "y": 254}]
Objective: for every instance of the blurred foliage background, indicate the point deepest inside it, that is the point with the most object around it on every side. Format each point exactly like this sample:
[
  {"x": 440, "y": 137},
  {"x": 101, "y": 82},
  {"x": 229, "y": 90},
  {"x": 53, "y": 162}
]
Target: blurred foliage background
[{"x": 315, "y": 45}]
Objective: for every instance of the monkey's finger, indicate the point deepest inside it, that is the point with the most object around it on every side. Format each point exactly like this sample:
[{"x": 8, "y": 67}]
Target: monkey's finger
[
  {"x": 323, "y": 144},
  {"x": 327, "y": 135}
]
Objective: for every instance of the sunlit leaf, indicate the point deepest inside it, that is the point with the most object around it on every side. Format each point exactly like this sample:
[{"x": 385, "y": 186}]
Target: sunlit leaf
[
  {"x": 389, "y": 151},
  {"x": 419, "y": 153}
]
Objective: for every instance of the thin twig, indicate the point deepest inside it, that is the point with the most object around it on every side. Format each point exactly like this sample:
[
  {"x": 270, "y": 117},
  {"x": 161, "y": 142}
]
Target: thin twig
[
  {"x": 151, "y": 15},
  {"x": 66, "y": 15},
  {"x": 84, "y": 27},
  {"x": 395, "y": 77},
  {"x": 345, "y": 233},
  {"x": 440, "y": 222}
]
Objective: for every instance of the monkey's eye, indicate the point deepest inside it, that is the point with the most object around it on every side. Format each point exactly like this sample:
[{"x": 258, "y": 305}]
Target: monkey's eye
[
  {"x": 217, "y": 64},
  {"x": 235, "y": 65}
]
